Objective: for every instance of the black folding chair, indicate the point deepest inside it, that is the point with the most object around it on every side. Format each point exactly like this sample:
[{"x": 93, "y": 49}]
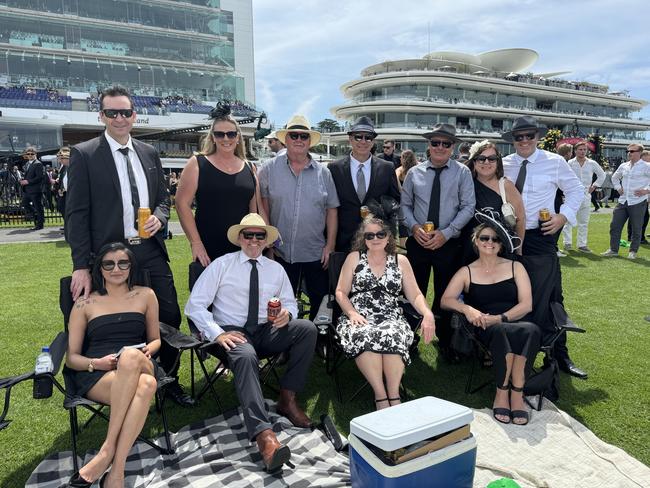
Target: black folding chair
[{"x": 328, "y": 315}]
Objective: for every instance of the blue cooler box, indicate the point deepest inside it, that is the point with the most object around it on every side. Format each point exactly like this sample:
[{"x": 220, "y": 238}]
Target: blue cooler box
[{"x": 403, "y": 425}]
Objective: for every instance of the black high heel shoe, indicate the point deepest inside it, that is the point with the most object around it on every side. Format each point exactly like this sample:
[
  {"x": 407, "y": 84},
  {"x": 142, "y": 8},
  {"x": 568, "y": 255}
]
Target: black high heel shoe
[
  {"x": 505, "y": 412},
  {"x": 103, "y": 479},
  {"x": 519, "y": 414},
  {"x": 76, "y": 481}
]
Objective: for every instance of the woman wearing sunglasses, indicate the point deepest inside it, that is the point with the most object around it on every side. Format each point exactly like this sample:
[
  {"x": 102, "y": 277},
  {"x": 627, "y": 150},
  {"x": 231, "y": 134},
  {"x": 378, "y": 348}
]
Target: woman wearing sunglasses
[
  {"x": 372, "y": 328},
  {"x": 224, "y": 185},
  {"x": 496, "y": 295},
  {"x": 486, "y": 165},
  {"x": 116, "y": 314}
]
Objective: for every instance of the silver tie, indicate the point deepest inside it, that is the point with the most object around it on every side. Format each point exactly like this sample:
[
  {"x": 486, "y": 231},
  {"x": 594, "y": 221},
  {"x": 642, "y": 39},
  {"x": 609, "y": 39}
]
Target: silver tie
[{"x": 361, "y": 184}]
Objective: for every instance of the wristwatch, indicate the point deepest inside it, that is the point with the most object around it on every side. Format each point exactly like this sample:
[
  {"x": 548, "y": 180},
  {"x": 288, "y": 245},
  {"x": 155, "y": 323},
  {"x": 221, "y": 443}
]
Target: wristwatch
[
  {"x": 91, "y": 366},
  {"x": 290, "y": 316},
  {"x": 504, "y": 318}
]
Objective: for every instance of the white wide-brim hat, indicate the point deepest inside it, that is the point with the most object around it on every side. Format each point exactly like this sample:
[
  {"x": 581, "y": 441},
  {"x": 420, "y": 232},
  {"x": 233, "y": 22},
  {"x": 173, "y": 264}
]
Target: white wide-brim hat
[
  {"x": 252, "y": 220},
  {"x": 299, "y": 123}
]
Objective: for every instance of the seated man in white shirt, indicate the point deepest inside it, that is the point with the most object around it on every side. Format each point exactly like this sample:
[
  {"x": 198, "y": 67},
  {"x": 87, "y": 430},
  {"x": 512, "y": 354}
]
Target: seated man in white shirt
[{"x": 238, "y": 324}]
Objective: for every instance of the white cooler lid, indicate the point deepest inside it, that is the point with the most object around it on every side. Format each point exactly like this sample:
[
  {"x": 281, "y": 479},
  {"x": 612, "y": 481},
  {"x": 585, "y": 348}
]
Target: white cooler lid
[{"x": 411, "y": 422}]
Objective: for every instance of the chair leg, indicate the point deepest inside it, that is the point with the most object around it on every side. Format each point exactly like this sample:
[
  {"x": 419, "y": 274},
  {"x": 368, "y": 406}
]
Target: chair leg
[
  {"x": 192, "y": 353},
  {"x": 160, "y": 399},
  {"x": 209, "y": 380},
  {"x": 73, "y": 433}
]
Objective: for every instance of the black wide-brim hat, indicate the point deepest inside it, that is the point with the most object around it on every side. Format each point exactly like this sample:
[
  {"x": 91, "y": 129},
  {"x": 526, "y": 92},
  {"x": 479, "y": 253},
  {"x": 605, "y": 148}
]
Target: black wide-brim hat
[
  {"x": 522, "y": 124},
  {"x": 362, "y": 124},
  {"x": 442, "y": 130},
  {"x": 493, "y": 220}
]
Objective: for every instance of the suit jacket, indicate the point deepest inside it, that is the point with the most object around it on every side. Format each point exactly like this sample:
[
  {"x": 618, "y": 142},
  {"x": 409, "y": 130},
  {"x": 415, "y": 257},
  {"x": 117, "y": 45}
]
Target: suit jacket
[
  {"x": 382, "y": 182},
  {"x": 34, "y": 176},
  {"x": 93, "y": 213}
]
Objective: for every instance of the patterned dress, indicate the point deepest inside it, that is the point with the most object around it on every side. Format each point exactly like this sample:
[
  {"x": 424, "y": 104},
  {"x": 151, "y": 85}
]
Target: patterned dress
[{"x": 376, "y": 299}]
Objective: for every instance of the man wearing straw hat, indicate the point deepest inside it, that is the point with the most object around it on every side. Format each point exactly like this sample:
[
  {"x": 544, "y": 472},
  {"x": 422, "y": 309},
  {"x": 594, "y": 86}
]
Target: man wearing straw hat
[
  {"x": 239, "y": 323},
  {"x": 300, "y": 199}
]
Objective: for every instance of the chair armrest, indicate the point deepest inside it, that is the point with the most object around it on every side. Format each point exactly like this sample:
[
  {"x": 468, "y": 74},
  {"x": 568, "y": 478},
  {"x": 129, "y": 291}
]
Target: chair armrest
[
  {"x": 562, "y": 320},
  {"x": 325, "y": 312},
  {"x": 176, "y": 339},
  {"x": 58, "y": 349}
]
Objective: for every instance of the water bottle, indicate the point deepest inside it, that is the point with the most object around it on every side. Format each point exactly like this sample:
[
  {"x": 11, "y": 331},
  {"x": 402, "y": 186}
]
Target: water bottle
[{"x": 43, "y": 382}]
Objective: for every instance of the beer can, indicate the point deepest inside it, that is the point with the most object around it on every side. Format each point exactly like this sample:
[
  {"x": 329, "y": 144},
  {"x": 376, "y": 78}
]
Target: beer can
[
  {"x": 544, "y": 215},
  {"x": 429, "y": 227},
  {"x": 143, "y": 215},
  {"x": 273, "y": 309},
  {"x": 364, "y": 211}
]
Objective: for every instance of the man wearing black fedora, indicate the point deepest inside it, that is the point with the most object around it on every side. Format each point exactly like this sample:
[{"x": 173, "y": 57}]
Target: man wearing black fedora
[
  {"x": 538, "y": 174},
  {"x": 439, "y": 192},
  {"x": 359, "y": 177}
]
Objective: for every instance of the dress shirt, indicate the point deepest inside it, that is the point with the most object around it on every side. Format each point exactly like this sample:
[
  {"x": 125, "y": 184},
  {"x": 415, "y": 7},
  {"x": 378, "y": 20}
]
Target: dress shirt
[
  {"x": 545, "y": 173},
  {"x": 64, "y": 182},
  {"x": 585, "y": 173},
  {"x": 224, "y": 284},
  {"x": 125, "y": 185},
  {"x": 631, "y": 178},
  {"x": 354, "y": 168},
  {"x": 457, "y": 199},
  {"x": 298, "y": 206}
]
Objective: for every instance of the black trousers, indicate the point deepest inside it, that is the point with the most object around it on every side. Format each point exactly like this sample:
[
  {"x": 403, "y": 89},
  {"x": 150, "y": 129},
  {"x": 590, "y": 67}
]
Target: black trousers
[
  {"x": 314, "y": 277},
  {"x": 149, "y": 257},
  {"x": 32, "y": 202},
  {"x": 444, "y": 262}
]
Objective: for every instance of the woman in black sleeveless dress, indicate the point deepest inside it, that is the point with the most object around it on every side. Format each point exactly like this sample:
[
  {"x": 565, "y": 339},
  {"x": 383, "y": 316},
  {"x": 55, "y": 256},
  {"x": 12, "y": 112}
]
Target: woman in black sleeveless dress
[
  {"x": 225, "y": 187},
  {"x": 115, "y": 315},
  {"x": 496, "y": 295}
]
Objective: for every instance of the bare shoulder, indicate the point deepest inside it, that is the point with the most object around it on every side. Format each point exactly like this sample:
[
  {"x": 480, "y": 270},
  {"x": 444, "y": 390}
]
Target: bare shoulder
[
  {"x": 139, "y": 293},
  {"x": 83, "y": 304}
]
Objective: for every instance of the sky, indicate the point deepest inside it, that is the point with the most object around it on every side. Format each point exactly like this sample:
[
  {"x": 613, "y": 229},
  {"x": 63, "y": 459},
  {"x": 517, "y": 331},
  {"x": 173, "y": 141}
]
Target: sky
[{"x": 305, "y": 50}]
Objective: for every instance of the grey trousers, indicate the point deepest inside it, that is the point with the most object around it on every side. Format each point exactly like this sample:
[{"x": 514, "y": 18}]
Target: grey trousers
[
  {"x": 298, "y": 338},
  {"x": 623, "y": 212}
]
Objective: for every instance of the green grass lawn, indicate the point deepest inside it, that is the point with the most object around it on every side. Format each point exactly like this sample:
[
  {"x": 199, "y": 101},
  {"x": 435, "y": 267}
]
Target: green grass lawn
[{"x": 608, "y": 297}]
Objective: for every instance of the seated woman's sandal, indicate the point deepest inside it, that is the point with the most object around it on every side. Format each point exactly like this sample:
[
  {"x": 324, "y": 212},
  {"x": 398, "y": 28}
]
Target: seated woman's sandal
[
  {"x": 501, "y": 410},
  {"x": 519, "y": 414}
]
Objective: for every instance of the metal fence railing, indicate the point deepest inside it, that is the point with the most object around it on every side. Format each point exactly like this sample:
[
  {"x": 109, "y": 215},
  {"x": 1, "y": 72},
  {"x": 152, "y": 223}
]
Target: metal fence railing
[{"x": 13, "y": 214}]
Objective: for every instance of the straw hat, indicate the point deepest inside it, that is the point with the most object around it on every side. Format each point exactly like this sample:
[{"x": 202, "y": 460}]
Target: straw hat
[
  {"x": 299, "y": 123},
  {"x": 252, "y": 220}
]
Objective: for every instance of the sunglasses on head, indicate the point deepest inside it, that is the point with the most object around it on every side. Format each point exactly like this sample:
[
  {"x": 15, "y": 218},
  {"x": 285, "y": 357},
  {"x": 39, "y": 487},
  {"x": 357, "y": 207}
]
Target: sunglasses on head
[
  {"x": 260, "y": 236},
  {"x": 123, "y": 264},
  {"x": 445, "y": 144},
  {"x": 494, "y": 239},
  {"x": 112, "y": 113},
  {"x": 529, "y": 136},
  {"x": 369, "y": 236},
  {"x": 363, "y": 137},
  {"x": 303, "y": 136},
  {"x": 483, "y": 159},
  {"x": 219, "y": 134}
]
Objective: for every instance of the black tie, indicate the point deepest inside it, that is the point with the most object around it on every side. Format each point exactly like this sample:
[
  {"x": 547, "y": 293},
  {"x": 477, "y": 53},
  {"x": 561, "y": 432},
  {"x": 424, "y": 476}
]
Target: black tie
[
  {"x": 253, "y": 298},
  {"x": 434, "y": 201},
  {"x": 521, "y": 177},
  {"x": 135, "y": 196}
]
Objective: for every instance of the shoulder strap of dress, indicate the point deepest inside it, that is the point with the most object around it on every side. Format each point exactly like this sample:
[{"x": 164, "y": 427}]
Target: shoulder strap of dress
[
  {"x": 470, "y": 273},
  {"x": 513, "y": 268}
]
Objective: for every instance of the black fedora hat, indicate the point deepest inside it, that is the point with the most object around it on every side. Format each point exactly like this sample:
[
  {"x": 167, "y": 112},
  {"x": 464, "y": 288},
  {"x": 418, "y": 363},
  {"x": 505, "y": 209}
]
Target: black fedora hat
[
  {"x": 362, "y": 124},
  {"x": 523, "y": 124},
  {"x": 442, "y": 130}
]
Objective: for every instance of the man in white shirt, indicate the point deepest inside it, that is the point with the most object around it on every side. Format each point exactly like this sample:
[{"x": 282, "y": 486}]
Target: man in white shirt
[
  {"x": 239, "y": 286},
  {"x": 632, "y": 181},
  {"x": 538, "y": 174},
  {"x": 585, "y": 169}
]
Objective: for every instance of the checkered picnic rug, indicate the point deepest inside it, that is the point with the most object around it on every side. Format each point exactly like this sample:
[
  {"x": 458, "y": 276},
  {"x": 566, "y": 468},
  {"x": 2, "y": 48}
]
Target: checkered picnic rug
[{"x": 216, "y": 452}]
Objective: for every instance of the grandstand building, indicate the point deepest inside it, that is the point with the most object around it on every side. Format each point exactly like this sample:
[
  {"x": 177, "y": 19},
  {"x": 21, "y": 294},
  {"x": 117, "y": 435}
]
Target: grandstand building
[
  {"x": 481, "y": 95},
  {"x": 179, "y": 57}
]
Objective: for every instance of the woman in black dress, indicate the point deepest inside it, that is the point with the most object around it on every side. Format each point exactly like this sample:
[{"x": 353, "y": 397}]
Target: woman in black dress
[
  {"x": 115, "y": 315},
  {"x": 496, "y": 295},
  {"x": 225, "y": 186}
]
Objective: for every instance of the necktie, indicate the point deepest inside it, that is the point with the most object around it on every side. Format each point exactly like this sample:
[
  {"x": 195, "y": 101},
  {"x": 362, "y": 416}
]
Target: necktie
[
  {"x": 521, "y": 177},
  {"x": 253, "y": 298},
  {"x": 361, "y": 184},
  {"x": 135, "y": 197},
  {"x": 434, "y": 201}
]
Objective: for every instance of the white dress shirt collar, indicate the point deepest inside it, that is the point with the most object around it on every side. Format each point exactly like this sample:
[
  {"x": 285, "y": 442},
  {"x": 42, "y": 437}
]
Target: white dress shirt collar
[{"x": 116, "y": 145}]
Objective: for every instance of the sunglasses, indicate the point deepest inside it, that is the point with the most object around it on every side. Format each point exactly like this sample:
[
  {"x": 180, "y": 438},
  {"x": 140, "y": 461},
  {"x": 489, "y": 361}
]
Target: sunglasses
[
  {"x": 112, "y": 113},
  {"x": 363, "y": 137},
  {"x": 299, "y": 135},
  {"x": 445, "y": 144},
  {"x": 494, "y": 239},
  {"x": 260, "y": 236},
  {"x": 219, "y": 134},
  {"x": 483, "y": 159},
  {"x": 369, "y": 236},
  {"x": 31, "y": 153},
  {"x": 387, "y": 147},
  {"x": 629, "y": 150},
  {"x": 122, "y": 264},
  {"x": 529, "y": 136}
]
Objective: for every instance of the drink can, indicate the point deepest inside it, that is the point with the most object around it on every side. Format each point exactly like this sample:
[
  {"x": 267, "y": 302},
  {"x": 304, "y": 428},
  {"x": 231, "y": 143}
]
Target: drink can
[
  {"x": 429, "y": 227},
  {"x": 273, "y": 309},
  {"x": 544, "y": 214},
  {"x": 143, "y": 215},
  {"x": 364, "y": 211}
]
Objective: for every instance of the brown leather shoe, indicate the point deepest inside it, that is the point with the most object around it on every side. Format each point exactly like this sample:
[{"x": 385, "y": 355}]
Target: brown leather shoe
[
  {"x": 288, "y": 408},
  {"x": 273, "y": 453}
]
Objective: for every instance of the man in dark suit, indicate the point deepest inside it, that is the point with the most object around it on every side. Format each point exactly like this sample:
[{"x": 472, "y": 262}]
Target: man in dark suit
[
  {"x": 109, "y": 178},
  {"x": 32, "y": 183},
  {"x": 61, "y": 184},
  {"x": 358, "y": 177}
]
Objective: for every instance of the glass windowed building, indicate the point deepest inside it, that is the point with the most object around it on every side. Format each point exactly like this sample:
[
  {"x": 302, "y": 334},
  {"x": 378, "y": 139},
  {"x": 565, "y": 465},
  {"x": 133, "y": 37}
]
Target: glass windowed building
[{"x": 481, "y": 95}]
